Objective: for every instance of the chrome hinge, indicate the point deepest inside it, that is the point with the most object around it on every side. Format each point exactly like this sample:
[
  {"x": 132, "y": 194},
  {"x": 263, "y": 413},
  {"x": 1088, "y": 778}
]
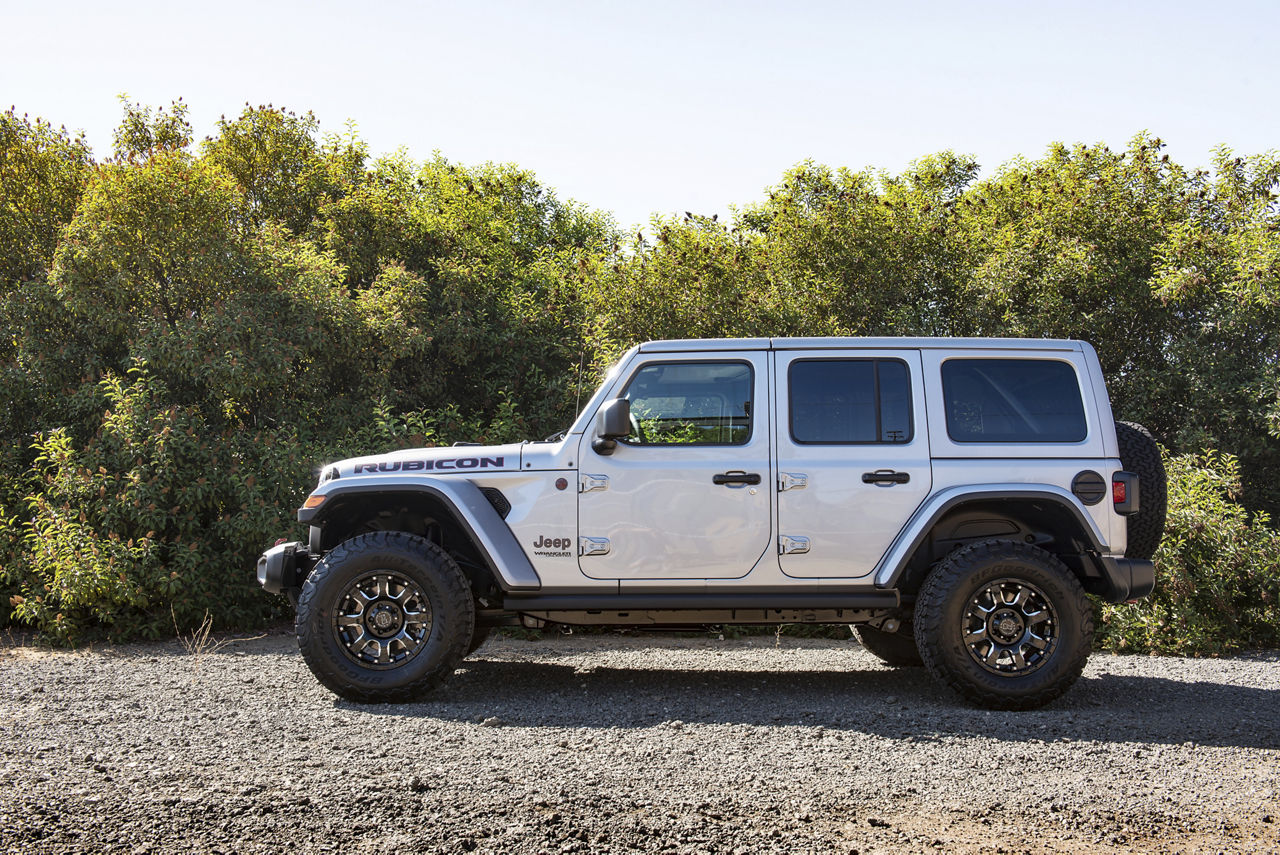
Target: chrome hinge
[
  {"x": 590, "y": 483},
  {"x": 792, "y": 481},
  {"x": 593, "y": 546},
  {"x": 790, "y": 544}
]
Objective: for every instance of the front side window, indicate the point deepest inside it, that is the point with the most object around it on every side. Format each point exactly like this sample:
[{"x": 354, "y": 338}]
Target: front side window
[
  {"x": 690, "y": 403},
  {"x": 1012, "y": 400},
  {"x": 849, "y": 401}
]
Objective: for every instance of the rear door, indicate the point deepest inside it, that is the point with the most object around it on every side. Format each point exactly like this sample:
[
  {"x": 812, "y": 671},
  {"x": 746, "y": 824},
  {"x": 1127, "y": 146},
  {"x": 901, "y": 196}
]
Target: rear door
[{"x": 853, "y": 457}]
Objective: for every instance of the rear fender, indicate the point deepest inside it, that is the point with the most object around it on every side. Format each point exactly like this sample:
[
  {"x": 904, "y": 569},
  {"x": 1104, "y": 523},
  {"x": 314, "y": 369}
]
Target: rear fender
[{"x": 889, "y": 572}]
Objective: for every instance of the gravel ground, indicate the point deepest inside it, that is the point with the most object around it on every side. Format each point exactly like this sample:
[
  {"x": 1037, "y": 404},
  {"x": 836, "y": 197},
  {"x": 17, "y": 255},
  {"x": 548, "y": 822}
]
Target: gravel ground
[{"x": 621, "y": 744}]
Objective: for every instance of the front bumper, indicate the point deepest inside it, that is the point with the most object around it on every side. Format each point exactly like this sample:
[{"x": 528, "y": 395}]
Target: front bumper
[{"x": 283, "y": 567}]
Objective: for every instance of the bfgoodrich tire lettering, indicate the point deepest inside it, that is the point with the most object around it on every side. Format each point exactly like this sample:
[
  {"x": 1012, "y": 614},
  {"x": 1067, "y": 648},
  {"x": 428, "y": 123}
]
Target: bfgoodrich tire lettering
[
  {"x": 385, "y": 618},
  {"x": 1004, "y": 624}
]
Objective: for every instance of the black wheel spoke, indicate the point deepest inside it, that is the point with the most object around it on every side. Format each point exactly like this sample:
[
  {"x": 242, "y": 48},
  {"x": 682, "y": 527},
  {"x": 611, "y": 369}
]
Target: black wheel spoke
[
  {"x": 1038, "y": 617},
  {"x": 998, "y": 627},
  {"x": 383, "y": 620}
]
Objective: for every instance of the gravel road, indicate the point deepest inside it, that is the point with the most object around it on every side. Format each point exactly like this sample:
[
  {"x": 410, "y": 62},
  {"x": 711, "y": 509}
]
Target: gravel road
[{"x": 622, "y": 744}]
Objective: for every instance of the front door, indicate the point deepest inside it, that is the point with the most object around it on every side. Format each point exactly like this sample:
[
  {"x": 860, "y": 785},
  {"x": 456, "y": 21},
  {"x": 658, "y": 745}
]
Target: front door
[{"x": 688, "y": 494}]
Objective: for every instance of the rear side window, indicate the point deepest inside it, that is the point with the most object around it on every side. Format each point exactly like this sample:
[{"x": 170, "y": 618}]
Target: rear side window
[
  {"x": 1012, "y": 400},
  {"x": 848, "y": 401}
]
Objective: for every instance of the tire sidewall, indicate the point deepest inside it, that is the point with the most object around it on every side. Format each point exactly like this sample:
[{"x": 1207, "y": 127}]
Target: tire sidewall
[{"x": 323, "y": 650}]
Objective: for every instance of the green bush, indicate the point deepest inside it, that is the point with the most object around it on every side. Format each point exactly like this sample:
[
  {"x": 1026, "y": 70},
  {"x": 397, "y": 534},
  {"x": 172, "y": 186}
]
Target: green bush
[
  {"x": 150, "y": 523},
  {"x": 1217, "y": 571}
]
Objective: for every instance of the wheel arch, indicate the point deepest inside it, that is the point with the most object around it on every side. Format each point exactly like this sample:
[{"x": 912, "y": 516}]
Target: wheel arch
[
  {"x": 461, "y": 509},
  {"x": 1046, "y": 516}
]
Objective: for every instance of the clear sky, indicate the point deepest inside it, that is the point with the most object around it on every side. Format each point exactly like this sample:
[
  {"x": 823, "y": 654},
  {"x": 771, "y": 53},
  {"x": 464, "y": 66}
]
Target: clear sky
[{"x": 663, "y": 107}]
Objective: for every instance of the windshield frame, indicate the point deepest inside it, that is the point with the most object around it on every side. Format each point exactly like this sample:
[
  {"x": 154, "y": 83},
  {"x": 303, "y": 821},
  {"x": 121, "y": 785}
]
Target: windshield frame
[{"x": 583, "y": 421}]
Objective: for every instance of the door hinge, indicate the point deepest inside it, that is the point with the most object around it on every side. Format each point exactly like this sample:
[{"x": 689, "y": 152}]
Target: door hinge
[
  {"x": 792, "y": 481},
  {"x": 591, "y": 483},
  {"x": 593, "y": 546},
  {"x": 792, "y": 544}
]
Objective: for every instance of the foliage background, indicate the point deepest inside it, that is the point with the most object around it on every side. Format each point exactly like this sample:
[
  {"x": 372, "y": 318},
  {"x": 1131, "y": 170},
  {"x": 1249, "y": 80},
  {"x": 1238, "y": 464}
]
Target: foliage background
[{"x": 187, "y": 329}]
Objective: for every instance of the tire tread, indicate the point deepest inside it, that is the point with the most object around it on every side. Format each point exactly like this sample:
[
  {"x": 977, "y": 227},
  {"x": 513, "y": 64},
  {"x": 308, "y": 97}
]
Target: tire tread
[
  {"x": 1139, "y": 453},
  {"x": 896, "y": 649}
]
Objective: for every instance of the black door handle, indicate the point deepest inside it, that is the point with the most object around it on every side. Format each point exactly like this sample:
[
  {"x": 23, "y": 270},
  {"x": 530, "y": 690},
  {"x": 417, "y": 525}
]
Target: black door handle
[
  {"x": 885, "y": 476},
  {"x": 736, "y": 478}
]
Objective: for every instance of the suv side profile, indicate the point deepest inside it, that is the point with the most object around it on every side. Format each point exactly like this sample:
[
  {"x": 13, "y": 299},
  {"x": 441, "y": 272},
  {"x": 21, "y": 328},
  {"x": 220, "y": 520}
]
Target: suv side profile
[{"x": 952, "y": 499}]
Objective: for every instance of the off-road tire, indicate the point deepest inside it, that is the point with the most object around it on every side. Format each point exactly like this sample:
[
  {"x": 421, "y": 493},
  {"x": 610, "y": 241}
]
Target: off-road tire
[
  {"x": 401, "y": 563},
  {"x": 478, "y": 638},
  {"x": 1140, "y": 454},
  {"x": 955, "y": 595},
  {"x": 892, "y": 648}
]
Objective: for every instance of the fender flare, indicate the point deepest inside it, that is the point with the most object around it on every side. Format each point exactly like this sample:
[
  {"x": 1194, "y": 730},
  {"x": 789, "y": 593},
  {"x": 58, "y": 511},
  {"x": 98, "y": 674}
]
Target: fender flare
[
  {"x": 494, "y": 541},
  {"x": 913, "y": 534}
]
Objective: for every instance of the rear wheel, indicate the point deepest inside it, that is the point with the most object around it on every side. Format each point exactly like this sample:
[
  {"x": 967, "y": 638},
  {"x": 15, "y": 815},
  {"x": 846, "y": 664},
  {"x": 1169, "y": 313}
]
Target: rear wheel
[
  {"x": 385, "y": 618},
  {"x": 1004, "y": 624},
  {"x": 892, "y": 648},
  {"x": 478, "y": 638}
]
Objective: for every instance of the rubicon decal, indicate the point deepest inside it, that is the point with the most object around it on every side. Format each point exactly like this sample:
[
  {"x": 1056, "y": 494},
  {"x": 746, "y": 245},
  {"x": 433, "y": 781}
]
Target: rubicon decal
[{"x": 447, "y": 465}]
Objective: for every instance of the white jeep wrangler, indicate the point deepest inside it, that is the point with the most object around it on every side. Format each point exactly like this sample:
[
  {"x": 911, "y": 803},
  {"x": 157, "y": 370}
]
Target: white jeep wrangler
[{"x": 954, "y": 499}]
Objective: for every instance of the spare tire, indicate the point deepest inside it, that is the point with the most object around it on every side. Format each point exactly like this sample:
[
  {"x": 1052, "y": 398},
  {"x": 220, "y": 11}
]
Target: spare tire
[{"x": 1140, "y": 454}]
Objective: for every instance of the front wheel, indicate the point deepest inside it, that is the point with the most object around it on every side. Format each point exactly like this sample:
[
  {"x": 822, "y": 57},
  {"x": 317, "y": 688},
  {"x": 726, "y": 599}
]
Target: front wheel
[
  {"x": 1004, "y": 624},
  {"x": 385, "y": 618}
]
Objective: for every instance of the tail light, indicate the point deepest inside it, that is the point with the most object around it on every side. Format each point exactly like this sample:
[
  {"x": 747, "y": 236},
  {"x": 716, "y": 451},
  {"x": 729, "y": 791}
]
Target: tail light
[{"x": 1124, "y": 492}]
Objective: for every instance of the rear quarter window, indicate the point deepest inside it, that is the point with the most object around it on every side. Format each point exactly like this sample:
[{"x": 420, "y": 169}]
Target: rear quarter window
[{"x": 1013, "y": 401}]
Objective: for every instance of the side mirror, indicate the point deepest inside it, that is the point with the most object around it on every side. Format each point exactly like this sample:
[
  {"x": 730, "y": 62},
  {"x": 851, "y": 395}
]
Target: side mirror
[{"x": 613, "y": 422}]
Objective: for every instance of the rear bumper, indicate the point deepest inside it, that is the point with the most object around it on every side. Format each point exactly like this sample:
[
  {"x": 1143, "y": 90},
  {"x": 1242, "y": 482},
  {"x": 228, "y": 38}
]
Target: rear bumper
[{"x": 1126, "y": 579}]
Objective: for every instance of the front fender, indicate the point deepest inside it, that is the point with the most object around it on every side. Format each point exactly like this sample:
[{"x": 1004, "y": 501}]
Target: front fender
[{"x": 461, "y": 498}]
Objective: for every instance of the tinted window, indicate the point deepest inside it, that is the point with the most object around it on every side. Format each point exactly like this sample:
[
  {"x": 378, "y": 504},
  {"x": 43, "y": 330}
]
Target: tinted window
[
  {"x": 850, "y": 401},
  {"x": 690, "y": 403},
  {"x": 1012, "y": 400}
]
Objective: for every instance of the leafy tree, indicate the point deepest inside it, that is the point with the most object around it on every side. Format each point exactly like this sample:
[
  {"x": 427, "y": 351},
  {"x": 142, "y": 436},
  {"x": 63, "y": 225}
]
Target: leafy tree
[
  {"x": 144, "y": 526},
  {"x": 146, "y": 132},
  {"x": 185, "y": 331},
  {"x": 151, "y": 240},
  {"x": 42, "y": 173},
  {"x": 277, "y": 164}
]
